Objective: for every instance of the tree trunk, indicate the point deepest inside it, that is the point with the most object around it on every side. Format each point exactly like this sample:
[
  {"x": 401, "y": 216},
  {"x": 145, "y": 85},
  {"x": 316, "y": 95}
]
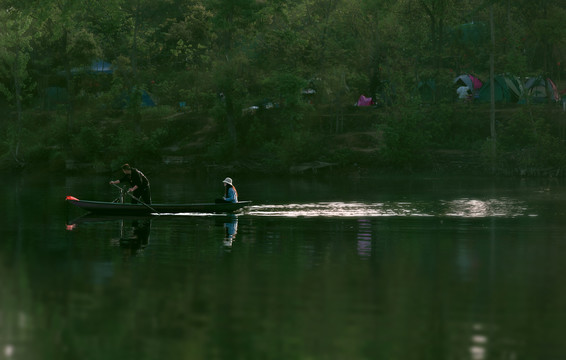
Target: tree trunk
[
  {"x": 492, "y": 92},
  {"x": 230, "y": 119},
  {"x": 69, "y": 84},
  {"x": 18, "y": 91},
  {"x": 133, "y": 55}
]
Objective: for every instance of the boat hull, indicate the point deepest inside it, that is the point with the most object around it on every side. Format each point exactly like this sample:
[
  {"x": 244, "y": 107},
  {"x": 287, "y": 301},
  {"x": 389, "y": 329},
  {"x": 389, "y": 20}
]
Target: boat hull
[{"x": 111, "y": 208}]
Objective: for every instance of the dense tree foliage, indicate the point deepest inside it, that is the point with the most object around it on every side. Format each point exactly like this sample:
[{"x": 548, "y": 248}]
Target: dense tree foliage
[{"x": 222, "y": 56}]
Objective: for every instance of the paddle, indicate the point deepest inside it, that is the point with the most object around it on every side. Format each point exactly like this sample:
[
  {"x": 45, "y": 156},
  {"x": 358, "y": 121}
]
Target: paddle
[{"x": 138, "y": 200}]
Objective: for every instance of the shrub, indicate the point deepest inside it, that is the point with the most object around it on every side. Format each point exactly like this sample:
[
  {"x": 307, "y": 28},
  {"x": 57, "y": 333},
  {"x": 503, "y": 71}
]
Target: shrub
[{"x": 407, "y": 139}]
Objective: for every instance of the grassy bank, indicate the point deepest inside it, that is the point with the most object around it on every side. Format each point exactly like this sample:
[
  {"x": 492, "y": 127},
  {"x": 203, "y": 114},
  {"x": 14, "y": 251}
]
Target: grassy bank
[{"x": 443, "y": 138}]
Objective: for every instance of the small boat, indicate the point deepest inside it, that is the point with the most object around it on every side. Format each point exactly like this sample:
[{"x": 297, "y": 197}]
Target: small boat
[{"x": 117, "y": 208}]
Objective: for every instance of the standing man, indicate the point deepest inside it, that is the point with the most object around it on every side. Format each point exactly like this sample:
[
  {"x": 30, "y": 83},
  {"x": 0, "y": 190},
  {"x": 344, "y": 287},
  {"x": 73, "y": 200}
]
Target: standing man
[{"x": 139, "y": 184}]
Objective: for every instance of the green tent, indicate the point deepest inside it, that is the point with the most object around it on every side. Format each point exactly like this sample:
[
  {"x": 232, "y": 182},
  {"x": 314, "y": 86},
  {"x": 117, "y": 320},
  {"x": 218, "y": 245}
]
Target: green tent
[
  {"x": 541, "y": 90},
  {"x": 427, "y": 91},
  {"x": 431, "y": 92},
  {"x": 54, "y": 97},
  {"x": 470, "y": 34},
  {"x": 508, "y": 89}
]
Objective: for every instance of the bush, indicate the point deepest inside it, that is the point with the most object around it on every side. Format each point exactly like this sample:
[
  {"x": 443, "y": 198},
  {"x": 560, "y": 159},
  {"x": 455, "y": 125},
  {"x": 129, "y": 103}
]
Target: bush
[
  {"x": 407, "y": 139},
  {"x": 86, "y": 143}
]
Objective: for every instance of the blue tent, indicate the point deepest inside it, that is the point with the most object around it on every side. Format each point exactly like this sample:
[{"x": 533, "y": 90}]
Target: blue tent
[
  {"x": 124, "y": 100},
  {"x": 101, "y": 66},
  {"x": 96, "y": 67},
  {"x": 147, "y": 101}
]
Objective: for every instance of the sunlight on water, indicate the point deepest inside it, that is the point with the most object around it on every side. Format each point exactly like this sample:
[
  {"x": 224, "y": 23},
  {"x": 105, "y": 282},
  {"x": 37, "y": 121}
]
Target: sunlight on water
[
  {"x": 195, "y": 214},
  {"x": 336, "y": 209},
  {"x": 466, "y": 208},
  {"x": 472, "y": 208}
]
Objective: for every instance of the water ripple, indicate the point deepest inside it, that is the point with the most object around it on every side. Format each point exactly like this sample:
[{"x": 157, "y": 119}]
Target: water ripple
[{"x": 465, "y": 208}]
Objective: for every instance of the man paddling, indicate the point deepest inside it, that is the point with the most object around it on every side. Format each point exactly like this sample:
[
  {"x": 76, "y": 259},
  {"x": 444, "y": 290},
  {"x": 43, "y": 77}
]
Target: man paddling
[{"x": 139, "y": 184}]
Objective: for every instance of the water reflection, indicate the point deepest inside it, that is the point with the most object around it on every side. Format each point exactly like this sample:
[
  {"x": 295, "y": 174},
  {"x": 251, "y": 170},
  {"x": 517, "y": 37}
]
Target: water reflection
[
  {"x": 466, "y": 208},
  {"x": 135, "y": 239},
  {"x": 340, "y": 209},
  {"x": 364, "y": 238},
  {"x": 231, "y": 229},
  {"x": 133, "y": 235},
  {"x": 437, "y": 269},
  {"x": 474, "y": 208},
  {"x": 8, "y": 350}
]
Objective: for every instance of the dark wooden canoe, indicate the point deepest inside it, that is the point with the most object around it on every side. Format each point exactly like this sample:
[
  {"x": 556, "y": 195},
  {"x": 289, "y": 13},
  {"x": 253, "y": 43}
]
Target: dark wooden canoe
[{"x": 113, "y": 208}]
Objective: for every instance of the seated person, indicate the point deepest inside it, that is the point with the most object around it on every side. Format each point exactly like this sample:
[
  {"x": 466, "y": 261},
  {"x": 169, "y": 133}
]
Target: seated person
[{"x": 230, "y": 193}]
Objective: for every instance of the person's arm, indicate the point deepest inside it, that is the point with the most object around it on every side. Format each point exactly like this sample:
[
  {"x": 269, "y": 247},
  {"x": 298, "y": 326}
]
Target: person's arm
[{"x": 121, "y": 180}]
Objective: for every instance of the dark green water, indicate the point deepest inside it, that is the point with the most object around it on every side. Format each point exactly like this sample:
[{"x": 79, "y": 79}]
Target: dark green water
[{"x": 328, "y": 268}]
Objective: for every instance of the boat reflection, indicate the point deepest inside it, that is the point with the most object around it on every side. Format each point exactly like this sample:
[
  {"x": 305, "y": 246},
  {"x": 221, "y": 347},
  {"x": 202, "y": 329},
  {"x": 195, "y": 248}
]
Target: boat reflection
[
  {"x": 134, "y": 234},
  {"x": 97, "y": 218},
  {"x": 135, "y": 239}
]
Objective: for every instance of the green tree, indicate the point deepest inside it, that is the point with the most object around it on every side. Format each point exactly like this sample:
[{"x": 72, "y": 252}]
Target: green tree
[
  {"x": 234, "y": 25},
  {"x": 16, "y": 35},
  {"x": 545, "y": 40},
  {"x": 66, "y": 41}
]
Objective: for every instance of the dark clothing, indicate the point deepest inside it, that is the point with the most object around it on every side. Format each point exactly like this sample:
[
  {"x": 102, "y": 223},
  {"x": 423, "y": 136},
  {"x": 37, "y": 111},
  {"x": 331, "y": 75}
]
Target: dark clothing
[
  {"x": 143, "y": 191},
  {"x": 143, "y": 195}
]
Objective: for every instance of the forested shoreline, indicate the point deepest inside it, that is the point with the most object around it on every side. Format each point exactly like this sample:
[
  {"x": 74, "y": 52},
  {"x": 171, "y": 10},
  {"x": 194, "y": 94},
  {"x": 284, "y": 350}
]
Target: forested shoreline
[{"x": 255, "y": 85}]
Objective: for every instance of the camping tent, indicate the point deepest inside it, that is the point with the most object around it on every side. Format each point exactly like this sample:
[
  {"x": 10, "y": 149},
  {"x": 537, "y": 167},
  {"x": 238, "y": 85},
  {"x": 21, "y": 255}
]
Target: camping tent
[
  {"x": 54, "y": 96},
  {"x": 364, "y": 101},
  {"x": 432, "y": 92},
  {"x": 472, "y": 82},
  {"x": 541, "y": 90},
  {"x": 96, "y": 67},
  {"x": 508, "y": 89},
  {"x": 100, "y": 66},
  {"x": 427, "y": 90},
  {"x": 470, "y": 34},
  {"x": 124, "y": 100}
]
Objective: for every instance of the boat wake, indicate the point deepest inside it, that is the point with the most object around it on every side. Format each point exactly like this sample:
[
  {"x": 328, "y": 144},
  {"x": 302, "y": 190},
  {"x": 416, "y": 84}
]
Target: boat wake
[{"x": 465, "y": 208}]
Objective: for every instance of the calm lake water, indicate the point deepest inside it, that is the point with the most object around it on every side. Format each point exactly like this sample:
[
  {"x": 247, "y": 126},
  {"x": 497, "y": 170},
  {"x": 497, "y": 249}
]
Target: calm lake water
[{"x": 318, "y": 268}]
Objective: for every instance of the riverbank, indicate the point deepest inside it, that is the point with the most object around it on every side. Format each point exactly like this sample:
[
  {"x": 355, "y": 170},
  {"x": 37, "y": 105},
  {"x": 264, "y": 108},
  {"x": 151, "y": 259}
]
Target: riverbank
[{"x": 440, "y": 139}]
